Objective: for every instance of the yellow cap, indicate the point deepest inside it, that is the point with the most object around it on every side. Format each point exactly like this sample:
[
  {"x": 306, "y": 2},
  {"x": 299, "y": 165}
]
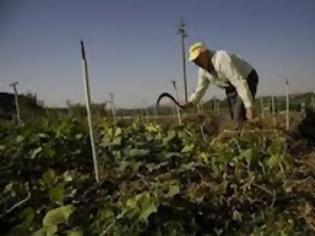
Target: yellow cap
[{"x": 195, "y": 50}]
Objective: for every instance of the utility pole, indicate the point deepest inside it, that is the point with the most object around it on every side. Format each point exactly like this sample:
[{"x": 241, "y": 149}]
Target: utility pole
[
  {"x": 16, "y": 98},
  {"x": 287, "y": 119},
  {"x": 182, "y": 33},
  {"x": 112, "y": 101},
  {"x": 179, "y": 117},
  {"x": 85, "y": 77}
]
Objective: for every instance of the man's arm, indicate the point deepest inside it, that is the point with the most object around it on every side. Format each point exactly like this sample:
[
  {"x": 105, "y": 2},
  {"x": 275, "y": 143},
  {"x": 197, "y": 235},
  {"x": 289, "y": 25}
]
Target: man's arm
[{"x": 201, "y": 89}]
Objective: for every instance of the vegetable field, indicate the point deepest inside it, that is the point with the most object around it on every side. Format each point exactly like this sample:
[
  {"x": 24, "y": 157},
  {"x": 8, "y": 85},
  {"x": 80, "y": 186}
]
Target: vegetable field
[{"x": 155, "y": 180}]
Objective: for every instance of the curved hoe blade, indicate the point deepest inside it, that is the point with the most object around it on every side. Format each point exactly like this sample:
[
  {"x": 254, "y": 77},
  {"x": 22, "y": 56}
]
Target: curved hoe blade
[{"x": 170, "y": 97}]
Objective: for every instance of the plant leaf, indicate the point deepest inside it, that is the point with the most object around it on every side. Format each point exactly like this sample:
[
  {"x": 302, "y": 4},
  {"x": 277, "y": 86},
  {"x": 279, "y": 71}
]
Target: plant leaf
[
  {"x": 56, "y": 194},
  {"x": 74, "y": 233},
  {"x": 58, "y": 215},
  {"x": 49, "y": 177}
]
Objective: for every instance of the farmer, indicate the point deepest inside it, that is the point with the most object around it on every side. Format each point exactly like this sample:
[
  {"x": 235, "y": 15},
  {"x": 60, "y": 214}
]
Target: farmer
[{"x": 230, "y": 72}]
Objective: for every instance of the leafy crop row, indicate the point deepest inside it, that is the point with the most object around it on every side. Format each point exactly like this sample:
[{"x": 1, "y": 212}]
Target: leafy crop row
[{"x": 155, "y": 180}]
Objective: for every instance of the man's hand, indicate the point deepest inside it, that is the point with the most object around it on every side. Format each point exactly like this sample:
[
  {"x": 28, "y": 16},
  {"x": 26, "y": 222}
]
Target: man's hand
[
  {"x": 188, "y": 106},
  {"x": 250, "y": 114}
]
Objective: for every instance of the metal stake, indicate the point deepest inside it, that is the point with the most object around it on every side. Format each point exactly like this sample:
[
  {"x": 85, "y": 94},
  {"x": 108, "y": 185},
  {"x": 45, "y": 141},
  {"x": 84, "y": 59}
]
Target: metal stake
[{"x": 88, "y": 109}]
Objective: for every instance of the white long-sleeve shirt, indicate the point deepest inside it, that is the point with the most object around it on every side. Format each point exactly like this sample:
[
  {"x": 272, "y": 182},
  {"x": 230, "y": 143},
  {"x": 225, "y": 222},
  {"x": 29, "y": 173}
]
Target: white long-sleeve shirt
[{"x": 229, "y": 68}]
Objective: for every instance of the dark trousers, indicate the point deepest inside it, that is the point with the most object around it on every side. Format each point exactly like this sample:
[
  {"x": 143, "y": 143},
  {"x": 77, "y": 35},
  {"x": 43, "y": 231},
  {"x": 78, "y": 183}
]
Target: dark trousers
[{"x": 236, "y": 105}]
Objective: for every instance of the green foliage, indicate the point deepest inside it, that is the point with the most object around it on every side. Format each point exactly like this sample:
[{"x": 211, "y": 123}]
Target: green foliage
[
  {"x": 155, "y": 180},
  {"x": 52, "y": 219}
]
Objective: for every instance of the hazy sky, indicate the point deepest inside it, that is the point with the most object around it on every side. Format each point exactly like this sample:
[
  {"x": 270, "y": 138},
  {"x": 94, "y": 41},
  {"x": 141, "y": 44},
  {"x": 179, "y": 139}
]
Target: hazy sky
[{"x": 133, "y": 50}]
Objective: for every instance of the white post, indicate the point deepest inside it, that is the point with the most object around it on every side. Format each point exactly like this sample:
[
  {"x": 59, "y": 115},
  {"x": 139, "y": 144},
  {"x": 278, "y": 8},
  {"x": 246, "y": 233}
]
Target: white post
[
  {"x": 88, "y": 109},
  {"x": 273, "y": 110},
  {"x": 179, "y": 117},
  {"x": 112, "y": 101},
  {"x": 16, "y": 98},
  {"x": 287, "y": 119}
]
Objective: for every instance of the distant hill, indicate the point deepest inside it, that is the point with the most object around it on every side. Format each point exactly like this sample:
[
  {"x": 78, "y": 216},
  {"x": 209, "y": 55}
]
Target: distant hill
[
  {"x": 28, "y": 103},
  {"x": 7, "y": 106}
]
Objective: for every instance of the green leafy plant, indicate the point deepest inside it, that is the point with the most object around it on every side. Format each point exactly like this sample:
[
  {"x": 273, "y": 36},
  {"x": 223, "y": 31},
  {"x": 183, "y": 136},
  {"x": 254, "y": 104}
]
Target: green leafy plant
[{"x": 156, "y": 179}]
